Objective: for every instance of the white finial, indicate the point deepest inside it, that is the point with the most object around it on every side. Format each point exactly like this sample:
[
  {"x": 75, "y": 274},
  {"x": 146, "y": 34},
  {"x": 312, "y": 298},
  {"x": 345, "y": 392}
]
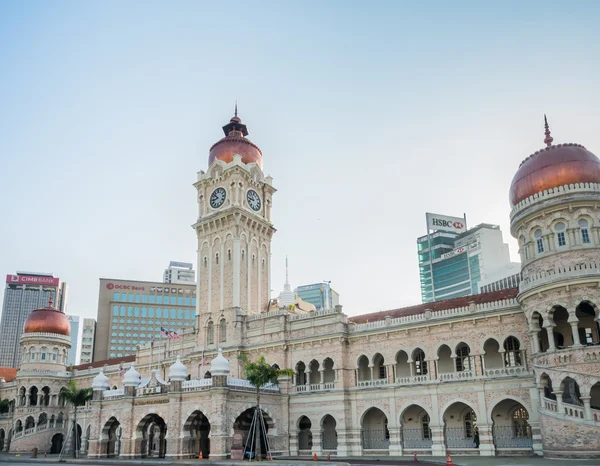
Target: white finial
[{"x": 287, "y": 281}]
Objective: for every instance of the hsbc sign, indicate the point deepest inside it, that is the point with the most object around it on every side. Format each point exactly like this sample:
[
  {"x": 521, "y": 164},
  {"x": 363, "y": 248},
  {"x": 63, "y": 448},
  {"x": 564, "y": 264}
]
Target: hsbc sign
[
  {"x": 457, "y": 251},
  {"x": 445, "y": 223}
]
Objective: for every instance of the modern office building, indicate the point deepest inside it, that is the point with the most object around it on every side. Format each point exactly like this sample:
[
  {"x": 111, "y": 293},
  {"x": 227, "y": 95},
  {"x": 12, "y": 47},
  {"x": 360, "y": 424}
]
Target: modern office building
[
  {"x": 452, "y": 261},
  {"x": 131, "y": 313},
  {"x": 320, "y": 295},
  {"x": 503, "y": 278},
  {"x": 87, "y": 341},
  {"x": 24, "y": 292},
  {"x": 180, "y": 273},
  {"x": 75, "y": 335}
]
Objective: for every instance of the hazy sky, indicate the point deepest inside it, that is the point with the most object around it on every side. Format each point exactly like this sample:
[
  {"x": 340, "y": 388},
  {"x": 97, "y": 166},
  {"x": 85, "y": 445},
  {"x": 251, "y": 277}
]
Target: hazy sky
[{"x": 368, "y": 115}]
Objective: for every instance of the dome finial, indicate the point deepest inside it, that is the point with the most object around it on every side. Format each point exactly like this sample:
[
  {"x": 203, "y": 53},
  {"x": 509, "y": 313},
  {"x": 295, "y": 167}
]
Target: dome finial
[
  {"x": 235, "y": 113},
  {"x": 548, "y": 139}
]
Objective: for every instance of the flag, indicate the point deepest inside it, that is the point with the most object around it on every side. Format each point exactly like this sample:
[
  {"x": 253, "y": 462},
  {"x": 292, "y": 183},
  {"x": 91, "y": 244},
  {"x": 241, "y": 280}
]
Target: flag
[
  {"x": 203, "y": 359},
  {"x": 121, "y": 370},
  {"x": 163, "y": 331},
  {"x": 176, "y": 336}
]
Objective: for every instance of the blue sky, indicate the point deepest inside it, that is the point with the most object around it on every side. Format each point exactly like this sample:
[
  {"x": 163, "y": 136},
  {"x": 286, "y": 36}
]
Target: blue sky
[{"x": 368, "y": 114}]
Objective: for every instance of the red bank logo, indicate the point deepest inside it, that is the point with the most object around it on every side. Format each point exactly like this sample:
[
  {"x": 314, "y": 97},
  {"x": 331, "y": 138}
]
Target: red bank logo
[
  {"x": 112, "y": 286},
  {"x": 458, "y": 225}
]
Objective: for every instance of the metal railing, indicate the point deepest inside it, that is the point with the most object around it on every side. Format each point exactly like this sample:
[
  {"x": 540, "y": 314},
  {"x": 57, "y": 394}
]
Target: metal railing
[
  {"x": 512, "y": 437},
  {"x": 416, "y": 438},
  {"x": 457, "y": 437},
  {"x": 375, "y": 439}
]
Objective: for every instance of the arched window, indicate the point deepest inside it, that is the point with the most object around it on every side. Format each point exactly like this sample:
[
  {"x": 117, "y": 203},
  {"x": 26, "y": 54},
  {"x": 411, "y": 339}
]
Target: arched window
[
  {"x": 217, "y": 258},
  {"x": 223, "y": 330},
  {"x": 560, "y": 228},
  {"x": 210, "y": 333},
  {"x": 420, "y": 363},
  {"x": 426, "y": 431},
  {"x": 524, "y": 248},
  {"x": 584, "y": 228},
  {"x": 539, "y": 241},
  {"x": 243, "y": 254},
  {"x": 519, "y": 422},
  {"x": 463, "y": 361},
  {"x": 512, "y": 354},
  {"x": 205, "y": 262},
  {"x": 470, "y": 424},
  {"x": 229, "y": 255},
  {"x": 44, "y": 351}
]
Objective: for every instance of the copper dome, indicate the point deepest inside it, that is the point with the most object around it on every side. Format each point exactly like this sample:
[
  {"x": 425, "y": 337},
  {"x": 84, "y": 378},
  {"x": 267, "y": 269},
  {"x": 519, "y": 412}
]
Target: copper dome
[
  {"x": 235, "y": 142},
  {"x": 552, "y": 167},
  {"x": 47, "y": 320}
]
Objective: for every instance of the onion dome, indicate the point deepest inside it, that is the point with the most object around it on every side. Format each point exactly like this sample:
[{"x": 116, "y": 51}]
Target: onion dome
[
  {"x": 552, "y": 167},
  {"x": 178, "y": 371},
  {"x": 132, "y": 378},
  {"x": 47, "y": 320},
  {"x": 219, "y": 365},
  {"x": 235, "y": 142},
  {"x": 100, "y": 382}
]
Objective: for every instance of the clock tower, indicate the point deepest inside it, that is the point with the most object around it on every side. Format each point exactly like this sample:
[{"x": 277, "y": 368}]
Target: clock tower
[{"x": 234, "y": 228}]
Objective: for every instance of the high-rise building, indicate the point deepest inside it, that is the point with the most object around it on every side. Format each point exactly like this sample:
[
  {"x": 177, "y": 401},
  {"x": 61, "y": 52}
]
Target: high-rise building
[
  {"x": 72, "y": 355},
  {"x": 25, "y": 292},
  {"x": 320, "y": 295},
  {"x": 131, "y": 313},
  {"x": 453, "y": 260},
  {"x": 179, "y": 272},
  {"x": 87, "y": 341}
]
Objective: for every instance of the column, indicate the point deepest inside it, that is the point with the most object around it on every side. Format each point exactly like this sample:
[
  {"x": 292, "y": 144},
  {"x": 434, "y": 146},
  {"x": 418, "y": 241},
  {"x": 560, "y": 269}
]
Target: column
[
  {"x": 559, "y": 403},
  {"x": 316, "y": 442},
  {"x": 573, "y": 321},
  {"x": 307, "y": 379},
  {"x": 321, "y": 376},
  {"x": 438, "y": 446},
  {"x": 395, "y": 441},
  {"x": 503, "y": 356},
  {"x": 548, "y": 327},
  {"x": 372, "y": 372},
  {"x": 389, "y": 372},
  {"x": 411, "y": 364},
  {"x": 535, "y": 341},
  {"x": 39, "y": 399},
  {"x": 486, "y": 440},
  {"x": 587, "y": 407}
]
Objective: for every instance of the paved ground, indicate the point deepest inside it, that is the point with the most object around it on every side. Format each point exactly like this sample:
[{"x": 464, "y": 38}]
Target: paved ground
[{"x": 12, "y": 460}]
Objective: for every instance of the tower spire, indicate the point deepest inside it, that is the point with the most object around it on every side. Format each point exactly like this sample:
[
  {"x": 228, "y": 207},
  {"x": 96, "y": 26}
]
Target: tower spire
[
  {"x": 548, "y": 139},
  {"x": 235, "y": 108},
  {"x": 287, "y": 281}
]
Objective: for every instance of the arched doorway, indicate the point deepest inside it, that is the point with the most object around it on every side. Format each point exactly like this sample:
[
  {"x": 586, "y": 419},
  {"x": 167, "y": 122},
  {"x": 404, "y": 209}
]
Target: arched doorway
[
  {"x": 374, "y": 431},
  {"x": 305, "y": 441},
  {"x": 329, "y": 437},
  {"x": 460, "y": 427},
  {"x": 33, "y": 396},
  {"x": 197, "y": 429},
  {"x": 153, "y": 431},
  {"x": 57, "y": 444},
  {"x": 242, "y": 426},
  {"x": 416, "y": 433},
  {"x": 510, "y": 426},
  {"x": 2, "y": 439},
  {"x": 111, "y": 438}
]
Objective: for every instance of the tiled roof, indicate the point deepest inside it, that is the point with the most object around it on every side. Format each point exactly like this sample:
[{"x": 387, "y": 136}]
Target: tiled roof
[
  {"x": 9, "y": 373},
  {"x": 438, "y": 305},
  {"x": 105, "y": 362}
]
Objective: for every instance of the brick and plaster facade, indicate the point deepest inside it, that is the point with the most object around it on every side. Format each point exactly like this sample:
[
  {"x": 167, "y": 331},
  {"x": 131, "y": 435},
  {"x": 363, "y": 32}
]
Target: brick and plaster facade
[{"x": 512, "y": 372}]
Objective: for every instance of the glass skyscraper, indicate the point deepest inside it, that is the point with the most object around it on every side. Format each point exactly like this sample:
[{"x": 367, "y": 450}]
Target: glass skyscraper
[
  {"x": 452, "y": 264},
  {"x": 320, "y": 295},
  {"x": 25, "y": 292}
]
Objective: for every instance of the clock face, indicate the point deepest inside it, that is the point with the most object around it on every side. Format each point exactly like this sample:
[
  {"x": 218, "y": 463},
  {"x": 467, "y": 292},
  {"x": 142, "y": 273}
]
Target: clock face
[
  {"x": 217, "y": 198},
  {"x": 253, "y": 200}
]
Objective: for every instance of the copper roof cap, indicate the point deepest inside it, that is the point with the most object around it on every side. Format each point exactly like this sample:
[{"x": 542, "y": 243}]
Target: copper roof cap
[
  {"x": 552, "y": 167},
  {"x": 47, "y": 320},
  {"x": 235, "y": 142}
]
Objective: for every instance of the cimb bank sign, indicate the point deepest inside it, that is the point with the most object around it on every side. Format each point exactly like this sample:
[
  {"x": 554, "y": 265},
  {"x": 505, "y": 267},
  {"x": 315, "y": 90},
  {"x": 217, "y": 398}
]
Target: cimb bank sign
[{"x": 445, "y": 223}]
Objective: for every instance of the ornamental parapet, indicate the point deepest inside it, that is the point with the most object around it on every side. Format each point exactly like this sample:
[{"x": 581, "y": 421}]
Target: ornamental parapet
[
  {"x": 437, "y": 315},
  {"x": 554, "y": 193},
  {"x": 567, "y": 356},
  {"x": 559, "y": 274}
]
